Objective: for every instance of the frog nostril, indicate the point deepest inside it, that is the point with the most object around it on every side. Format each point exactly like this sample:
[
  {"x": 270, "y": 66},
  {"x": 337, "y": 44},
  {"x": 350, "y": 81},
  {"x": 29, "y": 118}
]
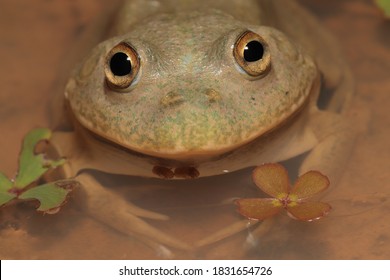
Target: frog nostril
[
  {"x": 171, "y": 99},
  {"x": 213, "y": 95}
]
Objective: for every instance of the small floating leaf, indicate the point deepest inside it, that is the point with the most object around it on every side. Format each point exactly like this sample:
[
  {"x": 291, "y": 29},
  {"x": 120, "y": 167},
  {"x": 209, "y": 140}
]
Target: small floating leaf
[
  {"x": 32, "y": 166},
  {"x": 6, "y": 197},
  {"x": 258, "y": 208},
  {"x": 309, "y": 211},
  {"x": 51, "y": 195},
  {"x": 5, "y": 183},
  {"x": 5, "y": 186},
  {"x": 309, "y": 184},
  {"x": 272, "y": 178}
]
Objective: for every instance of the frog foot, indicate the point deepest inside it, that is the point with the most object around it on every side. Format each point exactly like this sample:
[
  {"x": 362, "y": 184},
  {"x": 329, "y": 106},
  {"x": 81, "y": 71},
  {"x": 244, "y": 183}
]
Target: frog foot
[
  {"x": 110, "y": 209},
  {"x": 187, "y": 172}
]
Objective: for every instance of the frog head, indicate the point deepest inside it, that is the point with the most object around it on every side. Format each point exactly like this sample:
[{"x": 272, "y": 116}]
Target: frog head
[{"x": 190, "y": 86}]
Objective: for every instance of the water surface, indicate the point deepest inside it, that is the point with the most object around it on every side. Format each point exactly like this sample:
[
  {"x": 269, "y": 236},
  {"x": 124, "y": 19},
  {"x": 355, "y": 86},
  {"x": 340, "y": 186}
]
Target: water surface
[{"x": 35, "y": 38}]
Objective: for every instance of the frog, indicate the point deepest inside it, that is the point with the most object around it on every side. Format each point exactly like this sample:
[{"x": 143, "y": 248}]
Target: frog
[{"x": 190, "y": 89}]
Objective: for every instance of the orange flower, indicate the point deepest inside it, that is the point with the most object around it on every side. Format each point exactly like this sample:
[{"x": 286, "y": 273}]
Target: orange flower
[{"x": 273, "y": 179}]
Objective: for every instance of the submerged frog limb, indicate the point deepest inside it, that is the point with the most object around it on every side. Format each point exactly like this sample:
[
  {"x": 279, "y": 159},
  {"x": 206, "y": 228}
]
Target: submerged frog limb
[
  {"x": 336, "y": 138},
  {"x": 104, "y": 205},
  {"x": 124, "y": 216},
  {"x": 179, "y": 172}
]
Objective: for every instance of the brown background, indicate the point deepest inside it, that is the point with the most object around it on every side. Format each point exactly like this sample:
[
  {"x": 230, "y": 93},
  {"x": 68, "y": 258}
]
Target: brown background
[{"x": 34, "y": 39}]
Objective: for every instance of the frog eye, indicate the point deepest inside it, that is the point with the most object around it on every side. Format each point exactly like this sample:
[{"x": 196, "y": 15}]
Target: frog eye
[
  {"x": 122, "y": 65},
  {"x": 252, "y": 54}
]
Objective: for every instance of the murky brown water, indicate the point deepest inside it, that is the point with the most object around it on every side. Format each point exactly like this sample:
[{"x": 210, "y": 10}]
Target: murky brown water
[{"x": 34, "y": 40}]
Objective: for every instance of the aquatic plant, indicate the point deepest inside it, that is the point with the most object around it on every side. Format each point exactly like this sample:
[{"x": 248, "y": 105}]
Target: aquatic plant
[
  {"x": 32, "y": 166},
  {"x": 272, "y": 178}
]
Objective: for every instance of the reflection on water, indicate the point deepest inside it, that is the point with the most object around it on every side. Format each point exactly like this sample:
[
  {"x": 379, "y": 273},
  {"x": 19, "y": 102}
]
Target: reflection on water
[{"x": 358, "y": 226}]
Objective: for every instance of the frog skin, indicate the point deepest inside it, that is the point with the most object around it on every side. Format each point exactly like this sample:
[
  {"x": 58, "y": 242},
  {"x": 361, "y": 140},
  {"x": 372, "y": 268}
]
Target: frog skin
[{"x": 194, "y": 102}]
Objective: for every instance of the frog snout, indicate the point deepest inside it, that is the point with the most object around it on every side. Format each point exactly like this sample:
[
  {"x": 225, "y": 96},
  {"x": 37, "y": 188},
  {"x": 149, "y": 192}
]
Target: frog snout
[{"x": 173, "y": 98}]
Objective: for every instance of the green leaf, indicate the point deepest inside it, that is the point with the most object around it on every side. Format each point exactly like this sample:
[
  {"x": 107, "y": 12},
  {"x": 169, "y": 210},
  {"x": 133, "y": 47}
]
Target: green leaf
[
  {"x": 5, "y": 183},
  {"x": 385, "y": 6},
  {"x": 51, "y": 195},
  {"x": 32, "y": 166},
  {"x": 5, "y": 186},
  {"x": 6, "y": 197}
]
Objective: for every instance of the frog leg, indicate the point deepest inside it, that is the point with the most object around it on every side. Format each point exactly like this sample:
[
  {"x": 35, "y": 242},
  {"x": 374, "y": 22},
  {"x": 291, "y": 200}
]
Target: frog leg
[
  {"x": 70, "y": 144},
  {"x": 110, "y": 209},
  {"x": 336, "y": 137},
  {"x": 103, "y": 204}
]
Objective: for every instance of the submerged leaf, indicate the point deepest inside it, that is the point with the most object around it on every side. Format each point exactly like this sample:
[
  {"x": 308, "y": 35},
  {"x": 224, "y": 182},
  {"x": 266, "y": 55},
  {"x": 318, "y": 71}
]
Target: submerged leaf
[
  {"x": 272, "y": 178},
  {"x": 32, "y": 166},
  {"x": 309, "y": 184},
  {"x": 51, "y": 195},
  {"x": 309, "y": 211},
  {"x": 258, "y": 208}
]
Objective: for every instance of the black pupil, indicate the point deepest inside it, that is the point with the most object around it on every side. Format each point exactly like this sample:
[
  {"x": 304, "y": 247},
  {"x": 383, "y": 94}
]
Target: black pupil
[
  {"x": 120, "y": 64},
  {"x": 253, "y": 51}
]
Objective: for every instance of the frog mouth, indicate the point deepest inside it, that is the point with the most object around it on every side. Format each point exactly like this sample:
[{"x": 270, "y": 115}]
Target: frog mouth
[
  {"x": 196, "y": 136},
  {"x": 187, "y": 158},
  {"x": 195, "y": 141}
]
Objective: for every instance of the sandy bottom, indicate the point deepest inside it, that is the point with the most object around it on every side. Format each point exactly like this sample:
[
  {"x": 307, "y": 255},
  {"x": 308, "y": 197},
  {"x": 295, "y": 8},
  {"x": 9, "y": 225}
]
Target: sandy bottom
[{"x": 34, "y": 41}]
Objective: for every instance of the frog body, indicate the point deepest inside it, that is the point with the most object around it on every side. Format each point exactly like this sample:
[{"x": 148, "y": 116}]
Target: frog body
[{"x": 197, "y": 88}]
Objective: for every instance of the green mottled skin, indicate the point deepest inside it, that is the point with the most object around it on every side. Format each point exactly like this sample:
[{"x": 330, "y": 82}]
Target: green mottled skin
[
  {"x": 191, "y": 104},
  {"x": 168, "y": 113}
]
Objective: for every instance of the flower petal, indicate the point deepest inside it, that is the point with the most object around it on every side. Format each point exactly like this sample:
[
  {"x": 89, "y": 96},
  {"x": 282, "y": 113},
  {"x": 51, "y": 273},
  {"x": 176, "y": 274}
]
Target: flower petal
[
  {"x": 272, "y": 178},
  {"x": 308, "y": 211},
  {"x": 309, "y": 184},
  {"x": 258, "y": 208}
]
